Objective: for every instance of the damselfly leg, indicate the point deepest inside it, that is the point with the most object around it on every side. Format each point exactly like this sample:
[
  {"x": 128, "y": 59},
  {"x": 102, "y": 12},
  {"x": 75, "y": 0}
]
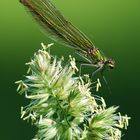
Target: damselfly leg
[{"x": 96, "y": 71}]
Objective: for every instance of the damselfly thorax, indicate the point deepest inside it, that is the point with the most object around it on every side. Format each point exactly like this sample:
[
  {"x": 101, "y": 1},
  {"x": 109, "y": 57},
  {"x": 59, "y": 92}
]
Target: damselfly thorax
[{"x": 96, "y": 58}]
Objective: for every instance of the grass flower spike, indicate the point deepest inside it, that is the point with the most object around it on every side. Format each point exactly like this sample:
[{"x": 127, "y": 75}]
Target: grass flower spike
[{"x": 62, "y": 106}]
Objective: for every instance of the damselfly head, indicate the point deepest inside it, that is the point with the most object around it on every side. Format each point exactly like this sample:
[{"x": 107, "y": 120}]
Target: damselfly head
[{"x": 110, "y": 63}]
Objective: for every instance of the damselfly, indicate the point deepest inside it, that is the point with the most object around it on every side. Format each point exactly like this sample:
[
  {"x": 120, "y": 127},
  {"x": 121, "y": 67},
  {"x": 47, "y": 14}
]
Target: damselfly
[{"x": 59, "y": 28}]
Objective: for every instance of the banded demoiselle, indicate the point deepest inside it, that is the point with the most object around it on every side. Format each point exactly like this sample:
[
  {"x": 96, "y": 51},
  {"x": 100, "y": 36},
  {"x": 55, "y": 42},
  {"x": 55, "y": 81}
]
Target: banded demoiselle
[{"x": 59, "y": 28}]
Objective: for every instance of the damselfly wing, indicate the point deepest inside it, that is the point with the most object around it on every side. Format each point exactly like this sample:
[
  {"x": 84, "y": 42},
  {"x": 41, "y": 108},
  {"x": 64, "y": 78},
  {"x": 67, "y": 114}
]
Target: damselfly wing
[{"x": 59, "y": 28}]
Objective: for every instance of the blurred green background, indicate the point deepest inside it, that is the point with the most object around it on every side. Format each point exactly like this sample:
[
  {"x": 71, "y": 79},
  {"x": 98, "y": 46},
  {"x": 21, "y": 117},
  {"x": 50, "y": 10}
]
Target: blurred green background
[{"x": 113, "y": 25}]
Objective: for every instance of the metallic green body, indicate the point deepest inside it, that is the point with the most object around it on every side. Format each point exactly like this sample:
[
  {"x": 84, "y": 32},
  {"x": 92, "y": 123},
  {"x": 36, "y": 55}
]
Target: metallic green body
[{"x": 61, "y": 29}]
